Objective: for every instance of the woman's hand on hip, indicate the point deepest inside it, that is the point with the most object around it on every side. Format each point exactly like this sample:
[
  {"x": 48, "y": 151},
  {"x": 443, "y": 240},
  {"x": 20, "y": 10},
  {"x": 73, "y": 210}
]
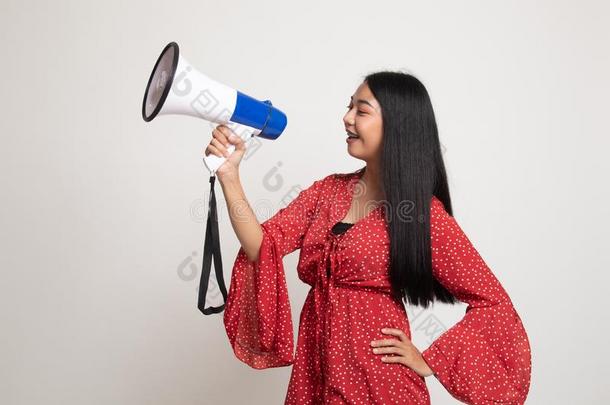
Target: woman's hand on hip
[{"x": 401, "y": 350}]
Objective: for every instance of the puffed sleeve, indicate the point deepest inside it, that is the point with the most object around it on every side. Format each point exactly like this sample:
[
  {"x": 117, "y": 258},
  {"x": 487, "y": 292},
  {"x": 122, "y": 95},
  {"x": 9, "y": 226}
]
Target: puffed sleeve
[
  {"x": 257, "y": 316},
  {"x": 484, "y": 358}
]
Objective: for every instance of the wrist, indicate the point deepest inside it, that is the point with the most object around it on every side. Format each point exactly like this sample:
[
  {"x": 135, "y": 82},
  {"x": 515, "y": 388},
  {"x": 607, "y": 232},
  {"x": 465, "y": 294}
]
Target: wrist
[
  {"x": 228, "y": 179},
  {"x": 426, "y": 370}
]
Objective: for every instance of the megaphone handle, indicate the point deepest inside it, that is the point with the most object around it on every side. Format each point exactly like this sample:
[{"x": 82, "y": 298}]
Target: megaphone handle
[{"x": 213, "y": 162}]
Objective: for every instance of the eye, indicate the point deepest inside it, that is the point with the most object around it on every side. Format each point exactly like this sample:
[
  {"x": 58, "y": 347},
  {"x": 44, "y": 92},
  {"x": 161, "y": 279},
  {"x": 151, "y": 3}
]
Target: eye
[{"x": 358, "y": 112}]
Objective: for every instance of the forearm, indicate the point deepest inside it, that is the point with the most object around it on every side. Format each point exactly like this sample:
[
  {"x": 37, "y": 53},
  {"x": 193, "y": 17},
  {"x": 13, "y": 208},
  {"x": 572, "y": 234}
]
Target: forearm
[{"x": 244, "y": 221}]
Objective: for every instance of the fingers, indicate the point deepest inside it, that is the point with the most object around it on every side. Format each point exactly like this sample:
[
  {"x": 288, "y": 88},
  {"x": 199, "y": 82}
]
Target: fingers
[
  {"x": 225, "y": 134},
  {"x": 396, "y": 332},
  {"x": 402, "y": 340},
  {"x": 400, "y": 351},
  {"x": 220, "y": 147},
  {"x": 220, "y": 143},
  {"x": 388, "y": 349},
  {"x": 393, "y": 353},
  {"x": 384, "y": 342},
  {"x": 213, "y": 150},
  {"x": 393, "y": 350},
  {"x": 221, "y": 133},
  {"x": 392, "y": 359}
]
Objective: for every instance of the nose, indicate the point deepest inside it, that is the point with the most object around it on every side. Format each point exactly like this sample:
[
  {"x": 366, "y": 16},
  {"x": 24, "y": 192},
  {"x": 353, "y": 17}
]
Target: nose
[{"x": 348, "y": 119}]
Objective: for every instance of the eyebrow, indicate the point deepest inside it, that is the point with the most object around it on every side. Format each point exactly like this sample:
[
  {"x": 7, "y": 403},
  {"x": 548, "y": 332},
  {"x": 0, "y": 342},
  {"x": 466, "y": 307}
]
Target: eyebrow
[{"x": 363, "y": 102}]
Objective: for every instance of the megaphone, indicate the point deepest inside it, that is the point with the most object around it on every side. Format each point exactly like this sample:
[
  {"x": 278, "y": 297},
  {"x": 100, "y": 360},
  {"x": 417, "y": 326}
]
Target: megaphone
[{"x": 175, "y": 87}]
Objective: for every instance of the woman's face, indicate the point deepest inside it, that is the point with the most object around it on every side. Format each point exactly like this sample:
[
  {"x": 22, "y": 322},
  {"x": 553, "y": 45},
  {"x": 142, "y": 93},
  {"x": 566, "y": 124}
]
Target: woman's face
[{"x": 363, "y": 118}]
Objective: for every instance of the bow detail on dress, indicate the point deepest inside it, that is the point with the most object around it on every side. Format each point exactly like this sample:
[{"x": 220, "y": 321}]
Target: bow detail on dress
[{"x": 324, "y": 294}]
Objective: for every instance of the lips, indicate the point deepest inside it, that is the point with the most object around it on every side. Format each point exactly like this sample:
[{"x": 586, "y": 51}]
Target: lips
[{"x": 352, "y": 135}]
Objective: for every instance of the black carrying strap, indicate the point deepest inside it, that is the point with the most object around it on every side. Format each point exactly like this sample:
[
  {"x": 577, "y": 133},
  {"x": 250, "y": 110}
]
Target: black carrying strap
[{"x": 211, "y": 248}]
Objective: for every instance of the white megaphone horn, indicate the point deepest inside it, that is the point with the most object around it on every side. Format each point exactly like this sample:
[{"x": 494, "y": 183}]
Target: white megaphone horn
[{"x": 175, "y": 87}]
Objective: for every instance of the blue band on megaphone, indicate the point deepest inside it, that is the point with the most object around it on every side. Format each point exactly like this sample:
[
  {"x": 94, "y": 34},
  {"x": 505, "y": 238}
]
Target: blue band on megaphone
[{"x": 258, "y": 114}]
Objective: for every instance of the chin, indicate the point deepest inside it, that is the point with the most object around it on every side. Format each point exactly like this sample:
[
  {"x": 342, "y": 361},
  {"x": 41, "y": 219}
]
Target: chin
[{"x": 354, "y": 153}]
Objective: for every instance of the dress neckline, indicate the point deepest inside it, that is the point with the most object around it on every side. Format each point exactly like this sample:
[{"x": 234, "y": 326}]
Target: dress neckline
[{"x": 349, "y": 196}]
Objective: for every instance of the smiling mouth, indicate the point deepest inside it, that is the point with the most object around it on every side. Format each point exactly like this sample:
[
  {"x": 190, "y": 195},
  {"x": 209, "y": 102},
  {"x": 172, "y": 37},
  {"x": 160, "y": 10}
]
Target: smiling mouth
[{"x": 351, "y": 135}]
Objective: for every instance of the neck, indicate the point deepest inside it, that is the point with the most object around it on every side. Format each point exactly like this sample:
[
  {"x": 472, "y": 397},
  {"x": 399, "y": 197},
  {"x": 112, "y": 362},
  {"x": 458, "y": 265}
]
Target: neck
[{"x": 372, "y": 179}]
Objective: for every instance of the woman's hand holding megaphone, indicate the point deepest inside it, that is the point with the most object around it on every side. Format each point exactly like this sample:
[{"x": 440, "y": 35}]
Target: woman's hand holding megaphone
[{"x": 222, "y": 144}]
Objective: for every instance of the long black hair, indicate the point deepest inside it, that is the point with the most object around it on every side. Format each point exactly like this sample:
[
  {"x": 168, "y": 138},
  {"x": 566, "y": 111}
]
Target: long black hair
[{"x": 412, "y": 171}]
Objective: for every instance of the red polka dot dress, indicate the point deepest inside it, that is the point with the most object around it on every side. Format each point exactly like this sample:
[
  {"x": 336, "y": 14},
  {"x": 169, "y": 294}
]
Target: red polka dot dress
[{"x": 483, "y": 359}]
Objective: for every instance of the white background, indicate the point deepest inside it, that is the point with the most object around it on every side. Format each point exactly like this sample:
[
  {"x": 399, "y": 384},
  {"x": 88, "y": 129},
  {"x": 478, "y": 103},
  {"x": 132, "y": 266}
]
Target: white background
[{"x": 102, "y": 212}]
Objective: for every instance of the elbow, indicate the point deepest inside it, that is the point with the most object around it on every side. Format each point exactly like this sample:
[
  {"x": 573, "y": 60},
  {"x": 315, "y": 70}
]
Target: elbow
[
  {"x": 498, "y": 300},
  {"x": 253, "y": 254},
  {"x": 250, "y": 254},
  {"x": 252, "y": 257}
]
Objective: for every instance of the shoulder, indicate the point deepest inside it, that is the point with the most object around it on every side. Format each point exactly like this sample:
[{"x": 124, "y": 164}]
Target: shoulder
[
  {"x": 322, "y": 182},
  {"x": 335, "y": 178},
  {"x": 329, "y": 184},
  {"x": 318, "y": 185},
  {"x": 339, "y": 180},
  {"x": 345, "y": 176}
]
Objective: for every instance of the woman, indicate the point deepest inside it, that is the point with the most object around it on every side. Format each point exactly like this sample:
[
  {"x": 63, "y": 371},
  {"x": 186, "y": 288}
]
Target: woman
[{"x": 370, "y": 240}]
